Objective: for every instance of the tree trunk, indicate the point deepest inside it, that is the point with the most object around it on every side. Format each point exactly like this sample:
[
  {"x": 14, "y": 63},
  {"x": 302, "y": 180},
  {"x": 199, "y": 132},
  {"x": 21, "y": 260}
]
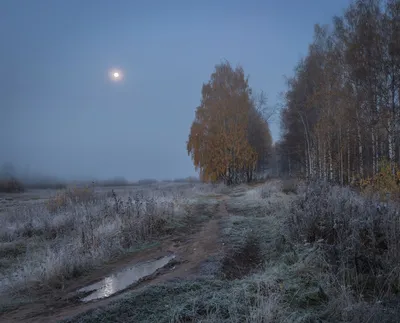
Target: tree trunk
[
  {"x": 348, "y": 155},
  {"x": 373, "y": 151},
  {"x": 340, "y": 156},
  {"x": 324, "y": 163},
  {"x": 308, "y": 148},
  {"x": 360, "y": 150},
  {"x": 330, "y": 163},
  {"x": 390, "y": 144},
  {"x": 307, "y": 163},
  {"x": 319, "y": 159}
]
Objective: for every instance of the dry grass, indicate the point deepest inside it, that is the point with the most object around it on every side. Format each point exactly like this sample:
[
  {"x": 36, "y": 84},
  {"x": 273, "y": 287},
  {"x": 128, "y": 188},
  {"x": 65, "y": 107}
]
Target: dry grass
[
  {"x": 335, "y": 252},
  {"x": 325, "y": 254},
  {"x": 77, "y": 229},
  {"x": 76, "y": 195},
  {"x": 243, "y": 288},
  {"x": 202, "y": 300},
  {"x": 357, "y": 240}
]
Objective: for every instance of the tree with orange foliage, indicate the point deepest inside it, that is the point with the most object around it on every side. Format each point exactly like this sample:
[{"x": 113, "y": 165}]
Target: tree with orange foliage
[{"x": 219, "y": 136}]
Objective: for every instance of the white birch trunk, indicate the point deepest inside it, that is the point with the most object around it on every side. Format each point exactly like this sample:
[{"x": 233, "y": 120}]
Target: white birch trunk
[
  {"x": 360, "y": 150},
  {"x": 373, "y": 151},
  {"x": 340, "y": 156},
  {"x": 391, "y": 144},
  {"x": 330, "y": 163},
  {"x": 324, "y": 162},
  {"x": 348, "y": 155}
]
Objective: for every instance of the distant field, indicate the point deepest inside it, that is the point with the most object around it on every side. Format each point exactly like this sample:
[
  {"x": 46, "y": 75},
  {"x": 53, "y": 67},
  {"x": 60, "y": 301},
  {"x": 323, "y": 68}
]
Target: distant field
[{"x": 39, "y": 195}]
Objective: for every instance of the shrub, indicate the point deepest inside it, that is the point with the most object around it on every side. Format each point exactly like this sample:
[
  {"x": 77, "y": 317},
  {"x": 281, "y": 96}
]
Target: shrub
[
  {"x": 385, "y": 183},
  {"x": 81, "y": 194},
  {"x": 11, "y": 185},
  {"x": 76, "y": 195},
  {"x": 57, "y": 202}
]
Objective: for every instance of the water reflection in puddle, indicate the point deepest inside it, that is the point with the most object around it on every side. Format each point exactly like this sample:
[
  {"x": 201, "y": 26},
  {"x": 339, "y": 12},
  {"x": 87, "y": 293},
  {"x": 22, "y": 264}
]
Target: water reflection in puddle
[{"x": 123, "y": 279}]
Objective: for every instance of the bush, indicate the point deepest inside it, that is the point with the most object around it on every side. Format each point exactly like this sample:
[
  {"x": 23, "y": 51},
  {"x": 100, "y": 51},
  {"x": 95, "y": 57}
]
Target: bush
[
  {"x": 75, "y": 195},
  {"x": 11, "y": 186},
  {"x": 385, "y": 183}
]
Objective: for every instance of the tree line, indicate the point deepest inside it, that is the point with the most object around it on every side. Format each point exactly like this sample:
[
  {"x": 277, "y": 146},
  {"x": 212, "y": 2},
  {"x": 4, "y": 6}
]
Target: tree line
[
  {"x": 341, "y": 116},
  {"x": 229, "y": 139}
]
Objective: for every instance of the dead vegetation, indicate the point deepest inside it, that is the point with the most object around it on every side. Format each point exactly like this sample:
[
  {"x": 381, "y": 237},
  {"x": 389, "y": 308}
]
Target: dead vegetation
[
  {"x": 324, "y": 254},
  {"x": 357, "y": 242},
  {"x": 47, "y": 243},
  {"x": 75, "y": 195},
  {"x": 385, "y": 185}
]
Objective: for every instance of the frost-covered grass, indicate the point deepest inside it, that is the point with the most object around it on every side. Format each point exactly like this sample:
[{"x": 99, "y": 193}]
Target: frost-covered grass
[
  {"x": 335, "y": 252},
  {"x": 244, "y": 288},
  {"x": 359, "y": 237},
  {"x": 202, "y": 300},
  {"x": 49, "y": 245},
  {"x": 292, "y": 253},
  {"x": 282, "y": 263}
]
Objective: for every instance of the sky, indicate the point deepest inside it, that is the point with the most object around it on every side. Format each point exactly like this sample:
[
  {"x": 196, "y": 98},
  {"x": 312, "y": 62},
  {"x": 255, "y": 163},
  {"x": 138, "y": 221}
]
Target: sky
[{"x": 61, "y": 115}]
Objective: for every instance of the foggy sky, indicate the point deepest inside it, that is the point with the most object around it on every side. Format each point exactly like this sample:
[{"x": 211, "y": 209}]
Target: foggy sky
[{"x": 59, "y": 113}]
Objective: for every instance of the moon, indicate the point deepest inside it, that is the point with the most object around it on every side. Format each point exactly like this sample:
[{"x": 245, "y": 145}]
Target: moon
[{"x": 115, "y": 75}]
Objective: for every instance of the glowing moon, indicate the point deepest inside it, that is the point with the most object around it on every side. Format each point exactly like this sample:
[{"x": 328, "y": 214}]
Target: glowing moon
[{"x": 115, "y": 75}]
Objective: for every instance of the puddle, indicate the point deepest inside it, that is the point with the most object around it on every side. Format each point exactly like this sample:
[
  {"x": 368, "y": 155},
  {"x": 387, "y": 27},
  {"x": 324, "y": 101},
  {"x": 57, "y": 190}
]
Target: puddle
[{"x": 123, "y": 279}]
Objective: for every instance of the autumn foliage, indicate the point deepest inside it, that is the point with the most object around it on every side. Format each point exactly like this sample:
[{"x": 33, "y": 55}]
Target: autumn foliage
[
  {"x": 386, "y": 183},
  {"x": 229, "y": 136}
]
